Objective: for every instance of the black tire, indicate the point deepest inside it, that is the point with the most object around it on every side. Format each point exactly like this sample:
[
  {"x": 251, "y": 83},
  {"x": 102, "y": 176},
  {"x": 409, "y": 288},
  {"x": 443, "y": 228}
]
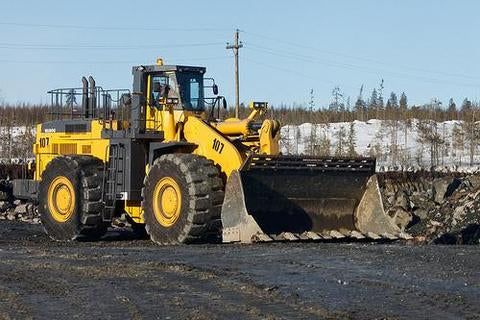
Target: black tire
[
  {"x": 85, "y": 173},
  {"x": 201, "y": 191},
  {"x": 217, "y": 194}
]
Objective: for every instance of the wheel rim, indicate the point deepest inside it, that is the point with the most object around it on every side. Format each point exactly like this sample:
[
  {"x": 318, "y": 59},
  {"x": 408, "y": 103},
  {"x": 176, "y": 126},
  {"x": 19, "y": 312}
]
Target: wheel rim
[
  {"x": 61, "y": 199},
  {"x": 167, "y": 201}
]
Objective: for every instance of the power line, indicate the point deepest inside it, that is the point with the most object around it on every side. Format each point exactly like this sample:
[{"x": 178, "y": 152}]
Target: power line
[
  {"x": 99, "y": 62},
  {"x": 123, "y": 28},
  {"x": 298, "y": 45},
  {"x": 353, "y": 67},
  {"x": 291, "y": 71},
  {"x": 102, "y": 47}
]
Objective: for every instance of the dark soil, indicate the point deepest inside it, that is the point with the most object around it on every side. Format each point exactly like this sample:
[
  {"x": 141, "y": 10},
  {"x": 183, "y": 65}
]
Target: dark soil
[{"x": 121, "y": 277}]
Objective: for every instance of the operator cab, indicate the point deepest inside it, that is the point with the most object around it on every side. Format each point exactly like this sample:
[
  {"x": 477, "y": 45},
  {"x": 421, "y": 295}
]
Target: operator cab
[
  {"x": 182, "y": 86},
  {"x": 162, "y": 87}
]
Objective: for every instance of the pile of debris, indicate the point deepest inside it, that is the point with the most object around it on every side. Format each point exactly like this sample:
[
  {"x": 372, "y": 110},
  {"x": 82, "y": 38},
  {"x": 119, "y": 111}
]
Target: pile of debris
[
  {"x": 17, "y": 210},
  {"x": 434, "y": 207}
]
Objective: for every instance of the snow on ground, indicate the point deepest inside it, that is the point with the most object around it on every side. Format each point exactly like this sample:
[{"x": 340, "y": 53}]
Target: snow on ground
[{"x": 374, "y": 137}]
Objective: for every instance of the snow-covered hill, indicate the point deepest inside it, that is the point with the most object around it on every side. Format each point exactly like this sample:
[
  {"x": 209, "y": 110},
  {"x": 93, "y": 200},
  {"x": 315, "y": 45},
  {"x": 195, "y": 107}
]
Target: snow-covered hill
[{"x": 376, "y": 137}]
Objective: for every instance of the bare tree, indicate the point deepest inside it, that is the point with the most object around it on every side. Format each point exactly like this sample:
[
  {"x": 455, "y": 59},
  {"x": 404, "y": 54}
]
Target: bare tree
[
  {"x": 428, "y": 134},
  {"x": 340, "y": 135},
  {"x": 458, "y": 142},
  {"x": 471, "y": 131},
  {"x": 324, "y": 144}
]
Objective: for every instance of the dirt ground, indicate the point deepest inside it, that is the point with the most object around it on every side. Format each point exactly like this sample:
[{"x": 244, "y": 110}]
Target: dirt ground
[{"x": 120, "y": 277}]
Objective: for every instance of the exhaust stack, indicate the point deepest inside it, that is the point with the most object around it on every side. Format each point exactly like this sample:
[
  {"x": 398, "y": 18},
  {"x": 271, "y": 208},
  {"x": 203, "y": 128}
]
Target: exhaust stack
[
  {"x": 92, "y": 98},
  {"x": 85, "y": 101}
]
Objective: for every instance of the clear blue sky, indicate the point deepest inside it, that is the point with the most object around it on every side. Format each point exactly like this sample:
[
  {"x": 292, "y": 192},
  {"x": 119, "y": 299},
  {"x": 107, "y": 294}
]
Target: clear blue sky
[{"x": 426, "y": 48}]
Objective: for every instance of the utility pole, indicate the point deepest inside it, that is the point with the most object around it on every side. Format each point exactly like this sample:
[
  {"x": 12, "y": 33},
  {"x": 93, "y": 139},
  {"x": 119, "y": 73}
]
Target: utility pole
[{"x": 235, "y": 48}]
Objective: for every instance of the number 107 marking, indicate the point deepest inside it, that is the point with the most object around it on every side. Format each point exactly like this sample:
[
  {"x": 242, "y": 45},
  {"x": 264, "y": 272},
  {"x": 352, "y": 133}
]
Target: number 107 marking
[{"x": 218, "y": 145}]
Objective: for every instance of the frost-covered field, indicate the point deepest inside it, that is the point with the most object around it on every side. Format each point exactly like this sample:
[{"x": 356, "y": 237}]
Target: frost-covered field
[{"x": 375, "y": 138}]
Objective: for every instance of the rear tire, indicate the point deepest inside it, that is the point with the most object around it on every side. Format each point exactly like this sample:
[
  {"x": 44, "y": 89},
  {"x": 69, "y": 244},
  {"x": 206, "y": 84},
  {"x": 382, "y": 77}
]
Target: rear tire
[
  {"x": 182, "y": 195},
  {"x": 70, "y": 203}
]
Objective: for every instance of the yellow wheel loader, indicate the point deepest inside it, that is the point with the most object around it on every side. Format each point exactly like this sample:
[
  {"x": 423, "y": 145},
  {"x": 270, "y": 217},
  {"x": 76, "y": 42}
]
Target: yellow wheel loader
[{"x": 160, "y": 154}]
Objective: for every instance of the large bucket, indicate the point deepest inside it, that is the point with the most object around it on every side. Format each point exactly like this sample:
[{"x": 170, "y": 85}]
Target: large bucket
[{"x": 300, "y": 198}]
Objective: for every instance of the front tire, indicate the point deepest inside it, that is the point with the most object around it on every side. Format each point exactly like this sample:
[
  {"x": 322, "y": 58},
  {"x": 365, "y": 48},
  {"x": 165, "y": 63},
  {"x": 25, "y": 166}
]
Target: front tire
[
  {"x": 180, "y": 198},
  {"x": 70, "y": 203}
]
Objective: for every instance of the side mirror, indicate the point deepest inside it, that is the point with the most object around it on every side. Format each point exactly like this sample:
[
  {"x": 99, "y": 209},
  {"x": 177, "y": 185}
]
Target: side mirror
[
  {"x": 224, "y": 101},
  {"x": 215, "y": 89}
]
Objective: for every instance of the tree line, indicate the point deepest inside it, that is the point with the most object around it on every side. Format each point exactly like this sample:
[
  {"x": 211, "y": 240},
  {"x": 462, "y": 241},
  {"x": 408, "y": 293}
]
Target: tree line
[{"x": 395, "y": 111}]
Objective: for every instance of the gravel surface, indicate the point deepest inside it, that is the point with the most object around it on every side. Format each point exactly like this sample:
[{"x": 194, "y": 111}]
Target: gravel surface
[{"x": 120, "y": 277}]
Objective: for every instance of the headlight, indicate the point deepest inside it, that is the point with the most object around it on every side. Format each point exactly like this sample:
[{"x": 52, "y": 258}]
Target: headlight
[
  {"x": 172, "y": 101},
  {"x": 258, "y": 105}
]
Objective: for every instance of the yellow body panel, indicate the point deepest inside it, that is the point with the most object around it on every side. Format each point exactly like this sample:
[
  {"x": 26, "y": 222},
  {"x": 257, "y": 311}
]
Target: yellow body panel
[
  {"x": 212, "y": 145},
  {"x": 49, "y": 145},
  {"x": 134, "y": 210}
]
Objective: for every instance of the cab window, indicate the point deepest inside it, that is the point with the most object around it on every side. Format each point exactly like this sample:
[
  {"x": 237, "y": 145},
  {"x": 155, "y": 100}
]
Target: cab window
[
  {"x": 191, "y": 90},
  {"x": 159, "y": 84}
]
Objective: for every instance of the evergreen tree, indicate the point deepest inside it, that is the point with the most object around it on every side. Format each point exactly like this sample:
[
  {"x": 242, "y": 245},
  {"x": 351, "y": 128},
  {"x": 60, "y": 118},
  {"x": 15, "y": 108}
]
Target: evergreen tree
[
  {"x": 452, "y": 110},
  {"x": 313, "y": 128},
  {"x": 360, "y": 106},
  {"x": 336, "y": 105},
  {"x": 351, "y": 141},
  {"x": 380, "y": 103},
  {"x": 392, "y": 106},
  {"x": 373, "y": 103},
  {"x": 403, "y": 103},
  {"x": 466, "y": 105}
]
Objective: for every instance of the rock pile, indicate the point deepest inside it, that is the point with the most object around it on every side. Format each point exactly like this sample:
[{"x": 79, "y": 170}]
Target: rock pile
[
  {"x": 18, "y": 210},
  {"x": 434, "y": 207}
]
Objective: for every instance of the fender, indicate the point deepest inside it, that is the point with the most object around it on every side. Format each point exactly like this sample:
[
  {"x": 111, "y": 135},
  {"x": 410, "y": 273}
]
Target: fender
[{"x": 156, "y": 149}]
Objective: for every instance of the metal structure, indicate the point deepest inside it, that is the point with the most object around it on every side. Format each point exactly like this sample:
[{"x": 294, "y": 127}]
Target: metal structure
[{"x": 160, "y": 154}]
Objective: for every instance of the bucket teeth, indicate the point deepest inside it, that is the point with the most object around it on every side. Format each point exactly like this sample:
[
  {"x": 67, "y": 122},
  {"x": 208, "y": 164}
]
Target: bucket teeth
[
  {"x": 373, "y": 236},
  {"x": 336, "y": 234},
  {"x": 357, "y": 235},
  {"x": 303, "y": 236},
  {"x": 311, "y": 235},
  {"x": 288, "y": 236},
  {"x": 326, "y": 235},
  {"x": 261, "y": 237},
  {"x": 389, "y": 236}
]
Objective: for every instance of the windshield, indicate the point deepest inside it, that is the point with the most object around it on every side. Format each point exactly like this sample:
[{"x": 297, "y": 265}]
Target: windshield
[{"x": 191, "y": 90}]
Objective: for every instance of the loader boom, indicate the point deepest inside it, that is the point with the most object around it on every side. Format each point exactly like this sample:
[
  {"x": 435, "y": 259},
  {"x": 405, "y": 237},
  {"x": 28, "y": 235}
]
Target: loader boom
[{"x": 158, "y": 154}]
